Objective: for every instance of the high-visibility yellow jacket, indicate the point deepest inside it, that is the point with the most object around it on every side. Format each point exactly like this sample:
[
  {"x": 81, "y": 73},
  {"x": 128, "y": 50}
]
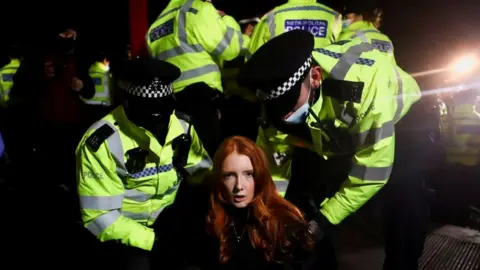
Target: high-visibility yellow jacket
[
  {"x": 191, "y": 35},
  {"x": 101, "y": 78},
  {"x": 367, "y": 32},
  {"x": 460, "y": 127},
  {"x": 323, "y": 22},
  {"x": 367, "y": 118},
  {"x": 6, "y": 80},
  {"x": 325, "y": 25},
  {"x": 117, "y": 204}
]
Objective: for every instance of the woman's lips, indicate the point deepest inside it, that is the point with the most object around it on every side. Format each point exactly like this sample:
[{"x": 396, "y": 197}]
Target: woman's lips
[{"x": 238, "y": 198}]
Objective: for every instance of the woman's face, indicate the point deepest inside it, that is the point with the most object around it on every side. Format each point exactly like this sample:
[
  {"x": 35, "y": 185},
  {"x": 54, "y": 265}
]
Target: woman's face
[{"x": 237, "y": 172}]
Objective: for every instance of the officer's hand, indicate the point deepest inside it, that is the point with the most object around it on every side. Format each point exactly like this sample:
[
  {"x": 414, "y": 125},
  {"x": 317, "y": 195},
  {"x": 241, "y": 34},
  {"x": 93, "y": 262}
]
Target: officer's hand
[
  {"x": 249, "y": 30},
  {"x": 77, "y": 84}
]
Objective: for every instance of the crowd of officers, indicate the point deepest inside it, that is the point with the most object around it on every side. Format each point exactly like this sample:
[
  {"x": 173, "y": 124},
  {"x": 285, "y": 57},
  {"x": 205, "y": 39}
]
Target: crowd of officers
[{"x": 317, "y": 88}]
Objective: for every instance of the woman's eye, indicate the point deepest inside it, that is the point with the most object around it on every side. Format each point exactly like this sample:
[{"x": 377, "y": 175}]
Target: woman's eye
[
  {"x": 228, "y": 176},
  {"x": 249, "y": 174}
]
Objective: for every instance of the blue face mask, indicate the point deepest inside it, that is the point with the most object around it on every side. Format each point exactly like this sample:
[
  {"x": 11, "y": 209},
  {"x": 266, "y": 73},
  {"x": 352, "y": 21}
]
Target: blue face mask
[
  {"x": 300, "y": 115},
  {"x": 346, "y": 23}
]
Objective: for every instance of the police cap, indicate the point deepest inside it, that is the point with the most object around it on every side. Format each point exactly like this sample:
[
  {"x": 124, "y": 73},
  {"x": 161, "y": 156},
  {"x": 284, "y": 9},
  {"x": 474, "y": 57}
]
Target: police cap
[
  {"x": 146, "y": 77},
  {"x": 277, "y": 70}
]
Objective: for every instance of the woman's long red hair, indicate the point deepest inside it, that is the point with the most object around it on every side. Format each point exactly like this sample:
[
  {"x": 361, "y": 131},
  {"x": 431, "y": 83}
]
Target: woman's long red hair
[{"x": 271, "y": 213}]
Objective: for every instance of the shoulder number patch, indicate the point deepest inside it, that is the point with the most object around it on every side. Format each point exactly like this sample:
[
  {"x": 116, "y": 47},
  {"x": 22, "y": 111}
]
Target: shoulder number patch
[{"x": 99, "y": 136}]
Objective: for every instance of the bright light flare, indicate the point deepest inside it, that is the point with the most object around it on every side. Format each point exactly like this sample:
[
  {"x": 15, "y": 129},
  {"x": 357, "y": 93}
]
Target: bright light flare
[{"x": 465, "y": 64}]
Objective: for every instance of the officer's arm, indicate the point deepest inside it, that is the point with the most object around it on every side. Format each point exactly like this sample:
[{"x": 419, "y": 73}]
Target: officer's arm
[
  {"x": 370, "y": 167},
  {"x": 199, "y": 161},
  {"x": 216, "y": 34},
  {"x": 101, "y": 195},
  {"x": 260, "y": 36}
]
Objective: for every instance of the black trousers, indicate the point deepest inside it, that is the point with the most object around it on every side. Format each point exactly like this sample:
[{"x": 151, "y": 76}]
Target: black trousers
[{"x": 202, "y": 104}]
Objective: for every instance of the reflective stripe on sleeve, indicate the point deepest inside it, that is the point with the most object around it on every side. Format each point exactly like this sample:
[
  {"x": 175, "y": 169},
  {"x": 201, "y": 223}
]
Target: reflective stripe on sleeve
[{"x": 101, "y": 223}]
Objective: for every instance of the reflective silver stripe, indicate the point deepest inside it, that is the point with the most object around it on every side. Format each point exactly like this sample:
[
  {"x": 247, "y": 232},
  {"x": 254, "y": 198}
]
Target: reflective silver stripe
[
  {"x": 101, "y": 202},
  {"x": 97, "y": 102},
  {"x": 372, "y": 136},
  {"x": 370, "y": 173},
  {"x": 344, "y": 115},
  {"x": 185, "y": 47},
  {"x": 143, "y": 216},
  {"x": 178, "y": 50},
  {"x": 240, "y": 40},
  {"x": 182, "y": 21},
  {"x": 184, "y": 125},
  {"x": 196, "y": 72},
  {"x": 271, "y": 23},
  {"x": 98, "y": 225},
  {"x": 137, "y": 196},
  {"x": 116, "y": 149},
  {"x": 182, "y": 35},
  {"x": 361, "y": 35},
  {"x": 398, "y": 113},
  {"x": 225, "y": 42},
  {"x": 204, "y": 164},
  {"x": 348, "y": 59},
  {"x": 281, "y": 185}
]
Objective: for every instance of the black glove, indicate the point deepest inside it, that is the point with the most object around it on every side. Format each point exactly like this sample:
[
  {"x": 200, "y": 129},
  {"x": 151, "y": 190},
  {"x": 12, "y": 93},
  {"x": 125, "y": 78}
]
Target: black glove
[{"x": 319, "y": 227}]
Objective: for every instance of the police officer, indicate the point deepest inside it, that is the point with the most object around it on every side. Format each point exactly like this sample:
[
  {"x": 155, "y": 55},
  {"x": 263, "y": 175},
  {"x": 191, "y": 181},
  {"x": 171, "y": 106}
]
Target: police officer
[
  {"x": 325, "y": 25},
  {"x": 7, "y": 73},
  {"x": 100, "y": 104},
  {"x": 194, "y": 36},
  {"x": 460, "y": 127},
  {"x": 362, "y": 20},
  {"x": 405, "y": 200},
  {"x": 321, "y": 21},
  {"x": 339, "y": 100},
  {"x": 131, "y": 163}
]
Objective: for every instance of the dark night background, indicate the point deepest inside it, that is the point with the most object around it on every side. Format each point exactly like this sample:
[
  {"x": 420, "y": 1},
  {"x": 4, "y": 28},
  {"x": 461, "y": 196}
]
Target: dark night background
[{"x": 427, "y": 34}]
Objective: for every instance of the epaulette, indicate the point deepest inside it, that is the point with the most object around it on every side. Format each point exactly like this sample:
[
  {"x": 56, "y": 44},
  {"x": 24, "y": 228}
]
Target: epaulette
[
  {"x": 183, "y": 116},
  {"x": 99, "y": 136},
  {"x": 343, "y": 90}
]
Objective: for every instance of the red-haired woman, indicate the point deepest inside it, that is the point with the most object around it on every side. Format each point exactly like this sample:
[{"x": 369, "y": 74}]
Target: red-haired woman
[{"x": 250, "y": 225}]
